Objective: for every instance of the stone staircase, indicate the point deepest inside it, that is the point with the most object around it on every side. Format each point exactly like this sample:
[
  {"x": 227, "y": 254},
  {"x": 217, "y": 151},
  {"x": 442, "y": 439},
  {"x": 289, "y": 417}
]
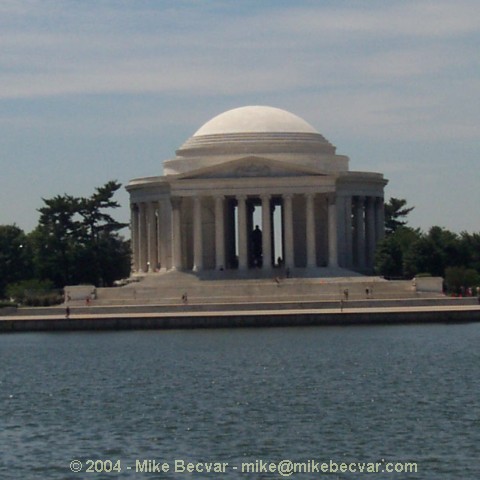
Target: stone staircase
[{"x": 226, "y": 288}]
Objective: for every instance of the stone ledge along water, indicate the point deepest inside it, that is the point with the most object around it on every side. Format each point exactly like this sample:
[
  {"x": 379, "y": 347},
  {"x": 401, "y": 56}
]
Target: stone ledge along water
[{"x": 187, "y": 318}]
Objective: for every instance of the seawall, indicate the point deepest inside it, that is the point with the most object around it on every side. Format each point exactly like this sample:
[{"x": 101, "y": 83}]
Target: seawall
[{"x": 341, "y": 315}]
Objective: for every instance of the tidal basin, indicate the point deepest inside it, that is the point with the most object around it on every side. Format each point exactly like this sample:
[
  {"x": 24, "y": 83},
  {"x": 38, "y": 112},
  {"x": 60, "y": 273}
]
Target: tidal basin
[{"x": 398, "y": 393}]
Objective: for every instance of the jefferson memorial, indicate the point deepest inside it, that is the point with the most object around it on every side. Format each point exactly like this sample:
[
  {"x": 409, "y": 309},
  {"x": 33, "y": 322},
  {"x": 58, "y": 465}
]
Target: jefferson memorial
[{"x": 256, "y": 189}]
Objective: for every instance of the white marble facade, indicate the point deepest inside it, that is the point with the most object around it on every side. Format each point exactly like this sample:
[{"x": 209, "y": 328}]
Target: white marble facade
[{"x": 311, "y": 210}]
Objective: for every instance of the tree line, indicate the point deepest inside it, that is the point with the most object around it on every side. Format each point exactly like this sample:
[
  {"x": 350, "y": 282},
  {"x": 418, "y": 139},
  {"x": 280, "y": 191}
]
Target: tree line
[
  {"x": 76, "y": 241},
  {"x": 407, "y": 252}
]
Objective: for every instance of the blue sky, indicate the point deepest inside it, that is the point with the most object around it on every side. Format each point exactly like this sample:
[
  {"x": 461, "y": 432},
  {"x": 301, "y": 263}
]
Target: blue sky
[{"x": 97, "y": 90}]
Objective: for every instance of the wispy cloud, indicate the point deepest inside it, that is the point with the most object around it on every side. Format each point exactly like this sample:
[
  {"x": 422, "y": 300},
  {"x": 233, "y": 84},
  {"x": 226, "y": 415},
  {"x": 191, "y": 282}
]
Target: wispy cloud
[
  {"x": 385, "y": 70},
  {"x": 58, "y": 48},
  {"x": 416, "y": 18}
]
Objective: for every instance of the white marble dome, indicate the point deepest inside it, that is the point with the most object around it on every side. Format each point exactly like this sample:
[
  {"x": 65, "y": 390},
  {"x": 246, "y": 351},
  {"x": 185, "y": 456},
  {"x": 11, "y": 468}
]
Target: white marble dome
[
  {"x": 255, "y": 119},
  {"x": 261, "y": 131}
]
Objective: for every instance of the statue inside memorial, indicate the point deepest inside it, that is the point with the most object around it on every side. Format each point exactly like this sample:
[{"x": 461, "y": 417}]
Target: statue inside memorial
[{"x": 256, "y": 252}]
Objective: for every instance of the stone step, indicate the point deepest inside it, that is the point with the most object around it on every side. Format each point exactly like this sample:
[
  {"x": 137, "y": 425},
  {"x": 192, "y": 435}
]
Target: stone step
[{"x": 169, "y": 290}]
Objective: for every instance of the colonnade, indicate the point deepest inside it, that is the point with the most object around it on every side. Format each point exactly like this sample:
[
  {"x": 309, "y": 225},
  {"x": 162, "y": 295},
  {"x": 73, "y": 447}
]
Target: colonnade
[
  {"x": 150, "y": 235},
  {"x": 352, "y": 225},
  {"x": 364, "y": 226}
]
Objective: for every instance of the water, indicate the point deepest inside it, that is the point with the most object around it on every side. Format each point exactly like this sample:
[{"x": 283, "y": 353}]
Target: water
[{"x": 346, "y": 394}]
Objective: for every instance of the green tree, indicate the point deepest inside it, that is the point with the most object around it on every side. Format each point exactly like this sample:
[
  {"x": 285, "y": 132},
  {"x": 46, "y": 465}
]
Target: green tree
[
  {"x": 392, "y": 251},
  {"x": 389, "y": 258},
  {"x": 34, "y": 292},
  {"x": 106, "y": 253},
  {"x": 433, "y": 252},
  {"x": 55, "y": 240},
  {"x": 15, "y": 256},
  {"x": 395, "y": 213},
  {"x": 457, "y": 278},
  {"x": 469, "y": 250},
  {"x": 78, "y": 241}
]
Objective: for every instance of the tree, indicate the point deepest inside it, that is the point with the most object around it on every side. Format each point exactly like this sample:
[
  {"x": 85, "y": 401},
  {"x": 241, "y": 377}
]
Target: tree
[
  {"x": 34, "y": 292},
  {"x": 469, "y": 250},
  {"x": 433, "y": 253},
  {"x": 100, "y": 236},
  {"x": 77, "y": 241},
  {"x": 389, "y": 258},
  {"x": 395, "y": 213},
  {"x": 55, "y": 240},
  {"x": 15, "y": 258},
  {"x": 459, "y": 278},
  {"x": 393, "y": 250}
]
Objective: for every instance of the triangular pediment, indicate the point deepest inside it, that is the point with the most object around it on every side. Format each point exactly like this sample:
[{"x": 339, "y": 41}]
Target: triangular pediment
[{"x": 251, "y": 166}]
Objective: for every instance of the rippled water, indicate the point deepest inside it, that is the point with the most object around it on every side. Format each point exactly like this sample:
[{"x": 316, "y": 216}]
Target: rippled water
[{"x": 347, "y": 394}]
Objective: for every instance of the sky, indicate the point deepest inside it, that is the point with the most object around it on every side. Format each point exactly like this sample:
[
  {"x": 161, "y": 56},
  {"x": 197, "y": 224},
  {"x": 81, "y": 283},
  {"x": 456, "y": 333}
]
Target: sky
[{"x": 99, "y": 90}]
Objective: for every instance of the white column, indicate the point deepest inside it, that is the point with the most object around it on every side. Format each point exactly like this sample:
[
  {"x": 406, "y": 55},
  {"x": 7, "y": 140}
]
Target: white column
[
  {"x": 370, "y": 232},
  {"x": 166, "y": 233},
  {"x": 219, "y": 233},
  {"x": 176, "y": 234},
  {"x": 360, "y": 232},
  {"x": 266, "y": 232},
  {"x": 341, "y": 237},
  {"x": 151, "y": 238},
  {"x": 134, "y": 235},
  {"x": 348, "y": 231},
  {"x": 242, "y": 232},
  {"x": 159, "y": 214},
  {"x": 332, "y": 232},
  {"x": 288, "y": 231},
  {"x": 197, "y": 235},
  {"x": 142, "y": 238},
  {"x": 379, "y": 219},
  {"x": 310, "y": 227}
]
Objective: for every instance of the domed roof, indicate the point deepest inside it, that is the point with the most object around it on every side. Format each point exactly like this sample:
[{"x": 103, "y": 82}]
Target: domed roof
[
  {"x": 255, "y": 119},
  {"x": 255, "y": 131}
]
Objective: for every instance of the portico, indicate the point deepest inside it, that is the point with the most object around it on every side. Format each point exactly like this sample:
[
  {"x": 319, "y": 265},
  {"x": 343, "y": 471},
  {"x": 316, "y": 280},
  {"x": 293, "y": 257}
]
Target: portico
[{"x": 256, "y": 188}]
